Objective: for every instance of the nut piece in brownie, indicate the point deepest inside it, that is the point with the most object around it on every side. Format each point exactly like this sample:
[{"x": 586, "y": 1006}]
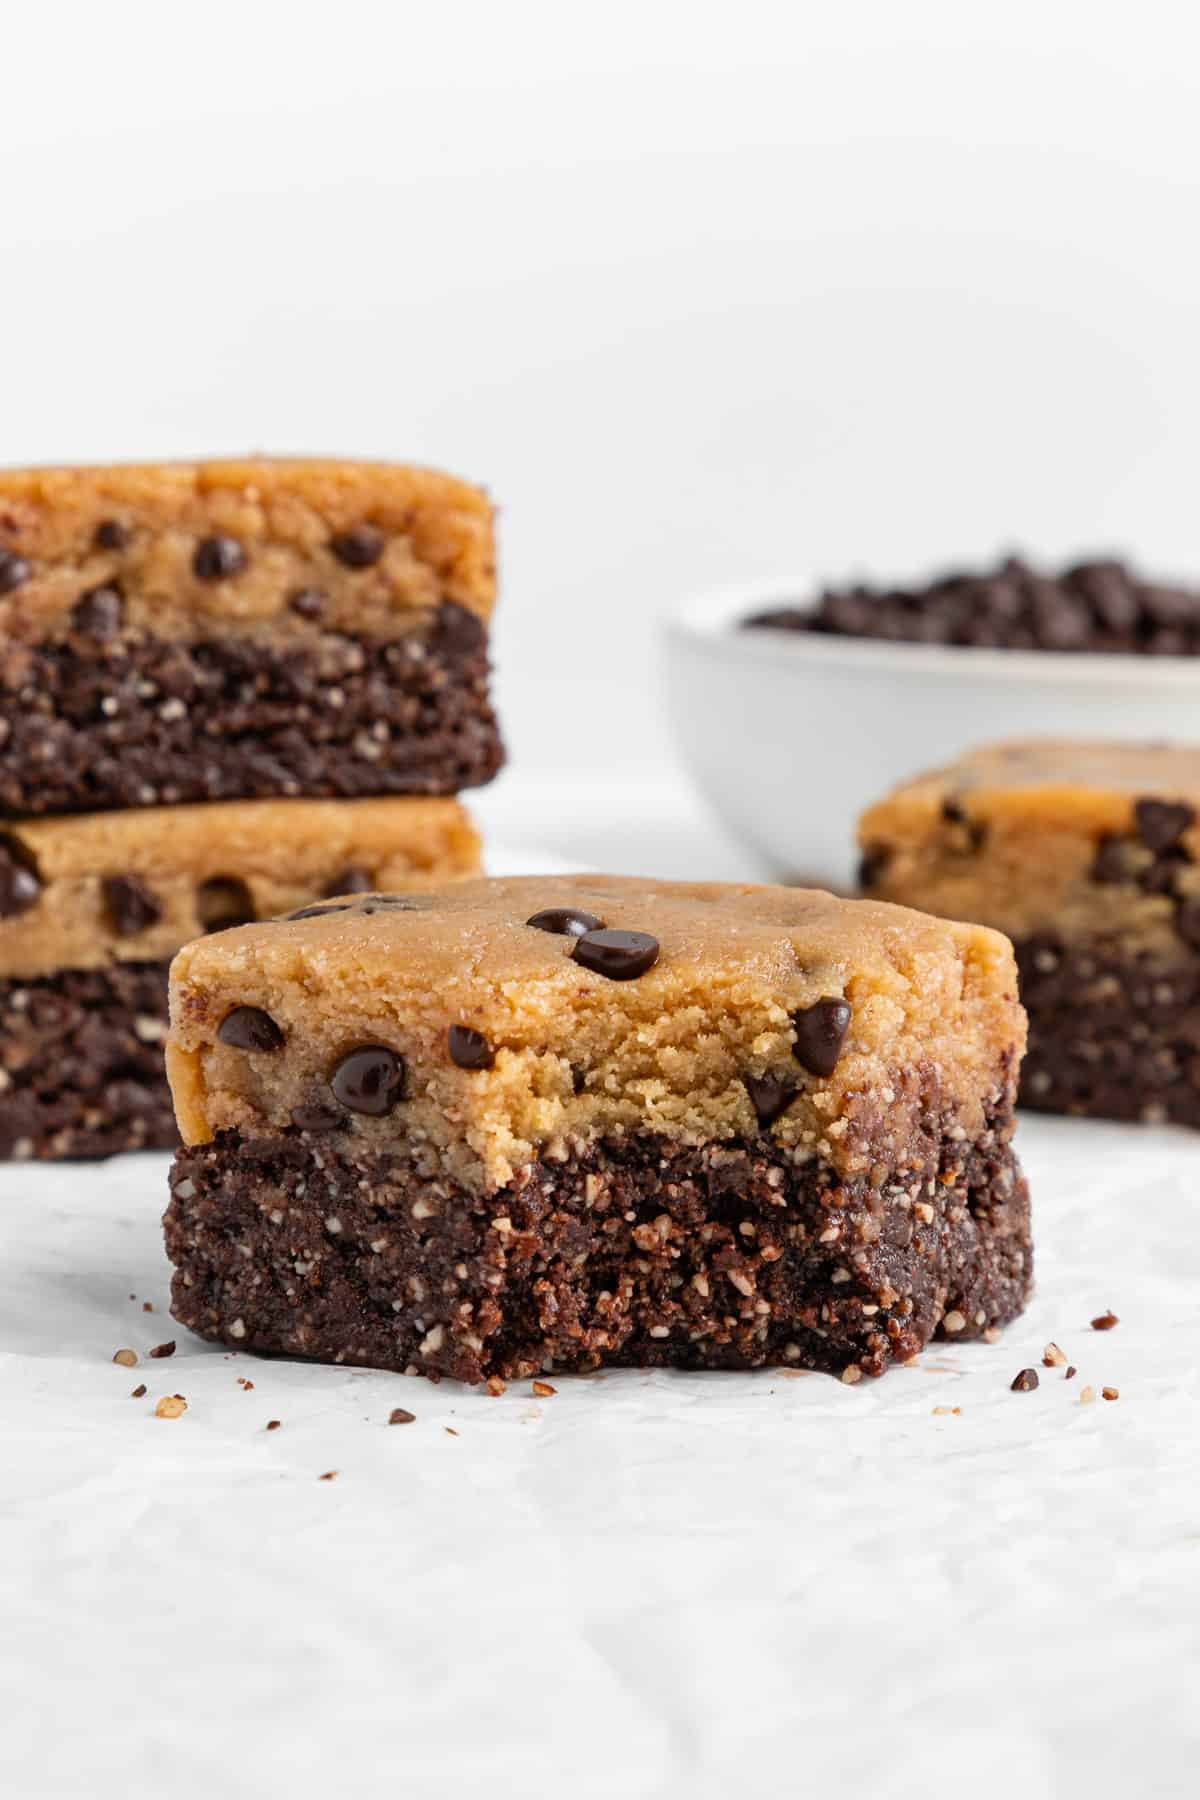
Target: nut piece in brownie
[
  {"x": 552, "y": 1123},
  {"x": 1086, "y": 855},
  {"x": 92, "y": 908},
  {"x": 1097, "y": 606},
  {"x": 241, "y": 630}
]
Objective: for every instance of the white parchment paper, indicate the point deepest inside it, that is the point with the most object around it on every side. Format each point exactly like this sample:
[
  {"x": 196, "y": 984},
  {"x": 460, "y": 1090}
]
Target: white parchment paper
[{"x": 641, "y": 1585}]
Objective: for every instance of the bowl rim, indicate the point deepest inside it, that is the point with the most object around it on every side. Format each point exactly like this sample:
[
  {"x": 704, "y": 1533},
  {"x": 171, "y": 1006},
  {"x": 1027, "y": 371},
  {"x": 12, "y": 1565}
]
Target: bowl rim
[{"x": 706, "y": 620}]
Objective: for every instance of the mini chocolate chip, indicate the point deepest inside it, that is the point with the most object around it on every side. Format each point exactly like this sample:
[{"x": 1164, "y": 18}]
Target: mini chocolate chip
[
  {"x": 359, "y": 547},
  {"x": 13, "y": 571},
  {"x": 1161, "y": 823},
  {"x": 317, "y": 1117},
  {"x": 309, "y": 603},
  {"x": 130, "y": 905},
  {"x": 98, "y": 613},
  {"x": 350, "y": 881},
  {"x": 369, "y": 1080},
  {"x": 250, "y": 1028},
  {"x": 872, "y": 863},
  {"x": 20, "y": 886},
  {"x": 469, "y": 1048},
  {"x": 217, "y": 558},
  {"x": 620, "y": 955},
  {"x": 1187, "y": 922},
  {"x": 567, "y": 921},
  {"x": 112, "y": 535},
  {"x": 224, "y": 901},
  {"x": 770, "y": 1095},
  {"x": 1025, "y": 1382},
  {"x": 1111, "y": 862},
  {"x": 820, "y": 1033}
]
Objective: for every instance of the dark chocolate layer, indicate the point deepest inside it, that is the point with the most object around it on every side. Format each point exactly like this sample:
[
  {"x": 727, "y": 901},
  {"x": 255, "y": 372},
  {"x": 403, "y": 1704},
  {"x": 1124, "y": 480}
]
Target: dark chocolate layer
[
  {"x": 1112, "y": 1034},
  {"x": 637, "y": 1252},
  {"x": 98, "y": 723},
  {"x": 81, "y": 1063}
]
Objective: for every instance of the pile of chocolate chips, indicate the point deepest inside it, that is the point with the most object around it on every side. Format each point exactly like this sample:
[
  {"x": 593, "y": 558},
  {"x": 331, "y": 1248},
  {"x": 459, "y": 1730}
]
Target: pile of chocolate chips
[{"x": 1095, "y": 606}]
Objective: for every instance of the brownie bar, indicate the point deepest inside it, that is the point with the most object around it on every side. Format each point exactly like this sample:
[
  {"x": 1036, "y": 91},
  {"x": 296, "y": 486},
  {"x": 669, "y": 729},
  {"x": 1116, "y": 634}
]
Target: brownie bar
[
  {"x": 1097, "y": 606},
  {"x": 242, "y": 630},
  {"x": 81, "y": 1066},
  {"x": 538, "y": 1123},
  {"x": 1087, "y": 855}
]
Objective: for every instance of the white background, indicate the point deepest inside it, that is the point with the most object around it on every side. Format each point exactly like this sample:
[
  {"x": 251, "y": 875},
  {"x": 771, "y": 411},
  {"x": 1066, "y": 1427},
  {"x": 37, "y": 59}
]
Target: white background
[{"x": 701, "y": 293}]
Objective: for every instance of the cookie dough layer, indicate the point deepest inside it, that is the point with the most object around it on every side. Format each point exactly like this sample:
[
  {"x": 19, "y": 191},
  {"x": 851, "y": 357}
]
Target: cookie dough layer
[
  {"x": 84, "y": 892},
  {"x": 638, "y": 1251},
  {"x": 696, "y": 1048},
  {"x": 1087, "y": 856},
  {"x": 241, "y": 630},
  {"x": 557, "y": 1122},
  {"x": 81, "y": 1067}
]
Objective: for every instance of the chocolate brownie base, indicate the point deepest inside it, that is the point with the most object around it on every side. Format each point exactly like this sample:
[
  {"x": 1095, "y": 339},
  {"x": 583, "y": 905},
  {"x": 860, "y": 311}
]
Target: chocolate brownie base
[
  {"x": 1095, "y": 606},
  {"x": 1112, "y": 1034},
  {"x": 81, "y": 1065},
  {"x": 89, "y": 726},
  {"x": 637, "y": 1252}
]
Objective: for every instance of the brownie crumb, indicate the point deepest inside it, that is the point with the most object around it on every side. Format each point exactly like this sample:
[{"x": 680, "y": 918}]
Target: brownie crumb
[
  {"x": 126, "y": 1358},
  {"x": 137, "y": 1392},
  {"x": 400, "y": 1415},
  {"x": 167, "y": 1349},
  {"x": 1105, "y": 1321},
  {"x": 171, "y": 1406},
  {"x": 1025, "y": 1381},
  {"x": 543, "y": 1389}
]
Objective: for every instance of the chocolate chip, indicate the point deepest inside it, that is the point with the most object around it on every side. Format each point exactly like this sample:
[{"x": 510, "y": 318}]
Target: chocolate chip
[
  {"x": 250, "y": 1028},
  {"x": 317, "y": 1117},
  {"x": 1187, "y": 922},
  {"x": 1111, "y": 862},
  {"x": 130, "y": 905},
  {"x": 620, "y": 955},
  {"x": 820, "y": 1033},
  {"x": 369, "y": 1080},
  {"x": 13, "y": 571},
  {"x": 217, "y": 558},
  {"x": 350, "y": 881},
  {"x": 1025, "y": 1382},
  {"x": 872, "y": 863},
  {"x": 974, "y": 831},
  {"x": 309, "y": 603},
  {"x": 98, "y": 613},
  {"x": 770, "y": 1095},
  {"x": 20, "y": 886},
  {"x": 224, "y": 901},
  {"x": 566, "y": 921},
  {"x": 112, "y": 535},
  {"x": 1161, "y": 823},
  {"x": 359, "y": 547},
  {"x": 469, "y": 1048}
]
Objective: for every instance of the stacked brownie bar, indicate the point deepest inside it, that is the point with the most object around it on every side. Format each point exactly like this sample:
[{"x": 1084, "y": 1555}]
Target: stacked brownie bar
[
  {"x": 551, "y": 1123},
  {"x": 1088, "y": 857},
  {"x": 226, "y": 690}
]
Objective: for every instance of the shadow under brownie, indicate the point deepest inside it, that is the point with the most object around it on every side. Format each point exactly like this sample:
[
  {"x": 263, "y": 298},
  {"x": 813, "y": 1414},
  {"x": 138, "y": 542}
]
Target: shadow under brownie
[
  {"x": 558, "y": 1123},
  {"x": 1086, "y": 856},
  {"x": 242, "y": 630}
]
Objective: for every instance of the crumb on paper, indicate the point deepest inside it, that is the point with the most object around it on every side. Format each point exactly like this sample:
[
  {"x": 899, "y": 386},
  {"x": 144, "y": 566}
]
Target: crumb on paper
[
  {"x": 947, "y": 1412},
  {"x": 1070, "y": 1372},
  {"x": 146, "y": 1306},
  {"x": 245, "y": 1384},
  {"x": 171, "y": 1406},
  {"x": 126, "y": 1358},
  {"x": 1024, "y": 1381},
  {"x": 271, "y": 1425},
  {"x": 1105, "y": 1321},
  {"x": 543, "y": 1389},
  {"x": 1053, "y": 1357},
  {"x": 329, "y": 1475},
  {"x": 167, "y": 1349},
  {"x": 400, "y": 1415},
  {"x": 137, "y": 1392},
  {"x": 1087, "y": 1394},
  {"x": 1110, "y": 1393},
  {"x": 450, "y": 1431}
]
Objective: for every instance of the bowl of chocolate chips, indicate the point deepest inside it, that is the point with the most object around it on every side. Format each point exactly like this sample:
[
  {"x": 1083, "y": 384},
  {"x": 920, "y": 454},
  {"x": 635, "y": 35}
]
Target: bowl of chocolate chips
[{"x": 794, "y": 710}]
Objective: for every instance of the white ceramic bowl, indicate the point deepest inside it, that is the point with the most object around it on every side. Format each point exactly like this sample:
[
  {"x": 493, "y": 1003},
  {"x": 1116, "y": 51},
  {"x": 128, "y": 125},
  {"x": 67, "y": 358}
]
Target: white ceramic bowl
[{"x": 790, "y": 735}]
